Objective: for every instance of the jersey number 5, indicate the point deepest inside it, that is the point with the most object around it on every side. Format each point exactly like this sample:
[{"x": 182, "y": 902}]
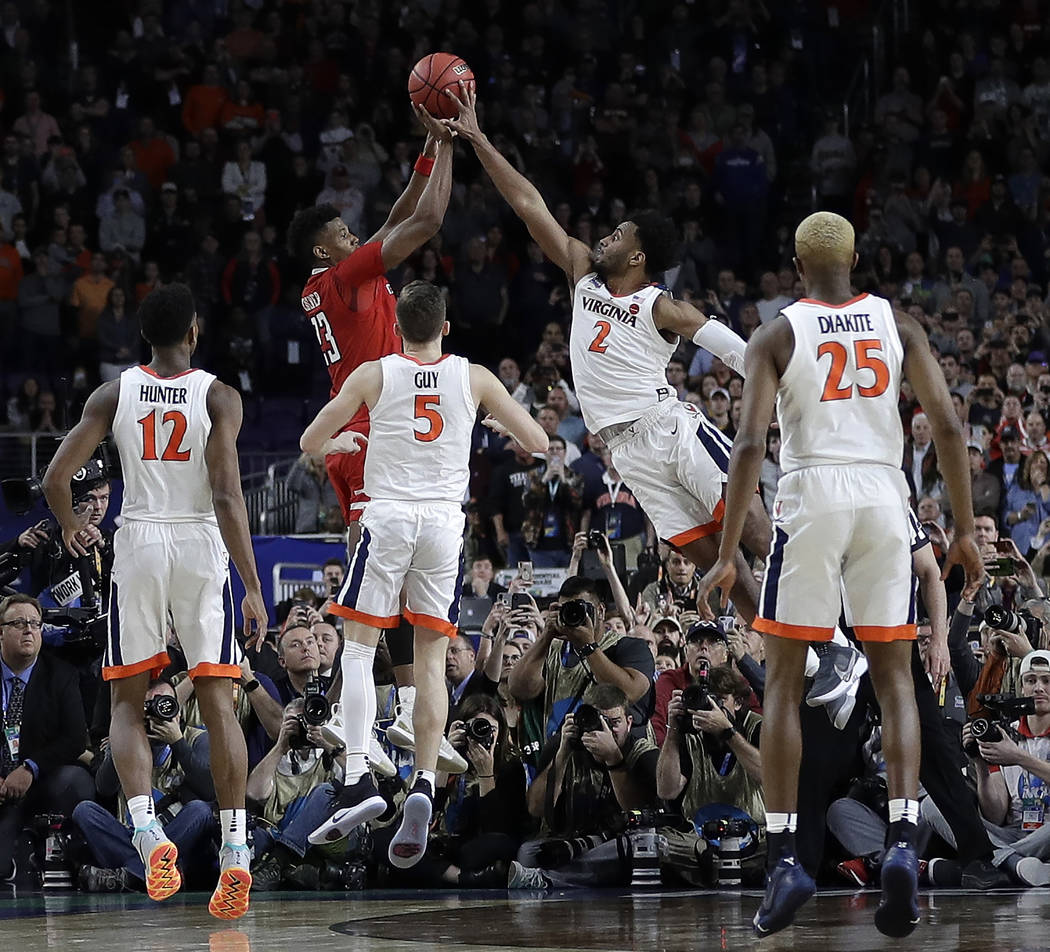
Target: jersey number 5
[
  {"x": 425, "y": 411},
  {"x": 172, "y": 452},
  {"x": 325, "y": 337},
  {"x": 863, "y": 356}
]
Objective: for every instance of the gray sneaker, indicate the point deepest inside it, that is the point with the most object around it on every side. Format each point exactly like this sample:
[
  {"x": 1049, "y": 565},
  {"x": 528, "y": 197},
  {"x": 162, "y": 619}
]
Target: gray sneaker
[
  {"x": 840, "y": 667},
  {"x": 526, "y": 877},
  {"x": 98, "y": 879},
  {"x": 841, "y": 708}
]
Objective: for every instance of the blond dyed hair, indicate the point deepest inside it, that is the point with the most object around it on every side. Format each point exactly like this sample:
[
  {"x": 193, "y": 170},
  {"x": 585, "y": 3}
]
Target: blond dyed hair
[{"x": 825, "y": 240}]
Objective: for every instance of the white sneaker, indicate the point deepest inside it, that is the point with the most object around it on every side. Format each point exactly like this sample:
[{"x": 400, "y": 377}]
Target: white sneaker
[
  {"x": 400, "y": 734},
  {"x": 334, "y": 733},
  {"x": 841, "y": 708},
  {"x": 841, "y": 667},
  {"x": 159, "y": 857}
]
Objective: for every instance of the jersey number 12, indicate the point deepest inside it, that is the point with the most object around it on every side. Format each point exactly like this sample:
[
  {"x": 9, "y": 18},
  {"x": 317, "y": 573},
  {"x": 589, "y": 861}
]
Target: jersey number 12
[{"x": 173, "y": 451}]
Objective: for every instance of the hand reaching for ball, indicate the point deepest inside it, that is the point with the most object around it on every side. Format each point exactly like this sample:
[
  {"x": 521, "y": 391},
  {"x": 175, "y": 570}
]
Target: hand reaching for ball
[
  {"x": 435, "y": 128},
  {"x": 466, "y": 98}
]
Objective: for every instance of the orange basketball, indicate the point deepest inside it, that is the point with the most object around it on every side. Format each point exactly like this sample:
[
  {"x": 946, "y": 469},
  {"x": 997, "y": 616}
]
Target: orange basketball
[{"x": 433, "y": 74}]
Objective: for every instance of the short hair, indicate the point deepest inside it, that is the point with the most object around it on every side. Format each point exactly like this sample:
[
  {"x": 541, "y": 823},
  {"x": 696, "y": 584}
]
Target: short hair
[
  {"x": 824, "y": 240},
  {"x": 20, "y": 598},
  {"x": 334, "y": 560},
  {"x": 606, "y": 697},
  {"x": 284, "y": 631},
  {"x": 658, "y": 236},
  {"x": 727, "y": 680},
  {"x": 576, "y": 585},
  {"x": 304, "y": 229},
  {"x": 420, "y": 312},
  {"x": 166, "y": 313}
]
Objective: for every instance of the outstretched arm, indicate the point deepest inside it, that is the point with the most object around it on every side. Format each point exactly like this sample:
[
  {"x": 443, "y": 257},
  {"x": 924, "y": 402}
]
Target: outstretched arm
[
  {"x": 75, "y": 450},
  {"x": 409, "y": 198},
  {"x": 506, "y": 415},
  {"x": 685, "y": 320},
  {"x": 362, "y": 386},
  {"x": 569, "y": 254},
  {"x": 224, "y": 474},
  {"x": 408, "y": 236}
]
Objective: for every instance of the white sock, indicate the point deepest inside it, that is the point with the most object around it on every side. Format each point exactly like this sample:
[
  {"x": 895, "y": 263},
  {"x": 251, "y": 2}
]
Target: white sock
[
  {"x": 903, "y": 809},
  {"x": 839, "y": 638},
  {"x": 234, "y": 825},
  {"x": 427, "y": 775},
  {"x": 781, "y": 822},
  {"x": 812, "y": 663},
  {"x": 141, "y": 810},
  {"x": 406, "y": 696},
  {"x": 358, "y": 706}
]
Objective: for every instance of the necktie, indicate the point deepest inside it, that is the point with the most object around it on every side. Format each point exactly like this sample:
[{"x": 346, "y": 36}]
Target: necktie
[{"x": 12, "y": 722}]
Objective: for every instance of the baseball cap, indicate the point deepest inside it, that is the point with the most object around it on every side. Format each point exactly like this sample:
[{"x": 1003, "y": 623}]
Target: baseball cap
[
  {"x": 1037, "y": 357},
  {"x": 169, "y": 187},
  {"x": 720, "y": 392},
  {"x": 703, "y": 630},
  {"x": 975, "y": 445},
  {"x": 1039, "y": 658},
  {"x": 1009, "y": 433},
  {"x": 668, "y": 618}
]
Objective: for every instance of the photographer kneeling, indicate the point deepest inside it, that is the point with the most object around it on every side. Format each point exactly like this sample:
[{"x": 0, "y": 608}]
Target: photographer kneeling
[
  {"x": 1012, "y": 763},
  {"x": 710, "y": 757},
  {"x": 592, "y": 773}
]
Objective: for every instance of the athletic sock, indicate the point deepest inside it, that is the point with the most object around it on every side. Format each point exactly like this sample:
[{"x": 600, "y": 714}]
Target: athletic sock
[
  {"x": 234, "y": 825},
  {"x": 904, "y": 819},
  {"x": 141, "y": 810},
  {"x": 780, "y": 837},
  {"x": 427, "y": 775},
  {"x": 358, "y": 706}
]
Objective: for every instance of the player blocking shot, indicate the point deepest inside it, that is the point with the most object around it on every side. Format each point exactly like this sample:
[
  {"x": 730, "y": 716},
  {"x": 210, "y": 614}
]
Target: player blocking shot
[
  {"x": 423, "y": 405},
  {"x": 184, "y": 517},
  {"x": 831, "y": 364}
]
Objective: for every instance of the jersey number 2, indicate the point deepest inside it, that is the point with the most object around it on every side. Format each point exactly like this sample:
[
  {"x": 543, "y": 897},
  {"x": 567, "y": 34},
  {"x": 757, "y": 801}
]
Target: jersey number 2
[
  {"x": 325, "y": 337},
  {"x": 598, "y": 345},
  {"x": 864, "y": 359},
  {"x": 172, "y": 452},
  {"x": 425, "y": 411}
]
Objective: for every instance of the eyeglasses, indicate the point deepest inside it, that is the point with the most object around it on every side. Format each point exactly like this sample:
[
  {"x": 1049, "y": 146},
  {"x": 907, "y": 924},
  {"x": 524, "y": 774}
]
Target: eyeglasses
[
  {"x": 21, "y": 624},
  {"x": 458, "y": 650}
]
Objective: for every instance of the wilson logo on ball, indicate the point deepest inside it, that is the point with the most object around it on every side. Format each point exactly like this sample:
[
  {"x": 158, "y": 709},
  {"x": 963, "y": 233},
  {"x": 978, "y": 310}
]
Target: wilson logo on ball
[{"x": 461, "y": 69}]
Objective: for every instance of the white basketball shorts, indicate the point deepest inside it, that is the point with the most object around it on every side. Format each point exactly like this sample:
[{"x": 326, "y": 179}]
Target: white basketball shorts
[
  {"x": 675, "y": 461},
  {"x": 841, "y": 539},
  {"x": 176, "y": 570},
  {"x": 414, "y": 546}
]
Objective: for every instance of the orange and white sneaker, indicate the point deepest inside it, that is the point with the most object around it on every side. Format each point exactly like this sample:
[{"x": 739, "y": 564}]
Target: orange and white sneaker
[
  {"x": 230, "y": 899},
  {"x": 159, "y": 857}
]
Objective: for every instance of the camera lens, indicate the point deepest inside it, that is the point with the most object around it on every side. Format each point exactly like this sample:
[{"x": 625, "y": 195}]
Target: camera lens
[
  {"x": 481, "y": 730},
  {"x": 162, "y": 707},
  {"x": 573, "y": 613},
  {"x": 316, "y": 710}
]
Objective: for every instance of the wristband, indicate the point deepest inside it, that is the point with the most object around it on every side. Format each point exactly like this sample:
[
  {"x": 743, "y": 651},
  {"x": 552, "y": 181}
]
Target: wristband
[
  {"x": 587, "y": 650},
  {"x": 485, "y": 776},
  {"x": 424, "y": 165},
  {"x": 727, "y": 735},
  {"x": 250, "y": 686}
]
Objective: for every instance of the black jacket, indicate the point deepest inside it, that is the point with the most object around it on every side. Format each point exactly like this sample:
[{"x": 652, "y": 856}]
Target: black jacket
[{"x": 54, "y": 732}]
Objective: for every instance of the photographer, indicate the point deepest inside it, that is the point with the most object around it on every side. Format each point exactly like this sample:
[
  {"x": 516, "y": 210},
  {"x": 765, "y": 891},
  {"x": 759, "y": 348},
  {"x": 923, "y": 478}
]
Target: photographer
[
  {"x": 552, "y": 502},
  {"x": 573, "y": 650},
  {"x": 598, "y": 542},
  {"x": 1012, "y": 765},
  {"x": 293, "y": 785},
  {"x": 182, "y": 792},
  {"x": 480, "y": 816},
  {"x": 299, "y": 657},
  {"x": 592, "y": 773},
  {"x": 677, "y": 586},
  {"x": 710, "y": 754}
]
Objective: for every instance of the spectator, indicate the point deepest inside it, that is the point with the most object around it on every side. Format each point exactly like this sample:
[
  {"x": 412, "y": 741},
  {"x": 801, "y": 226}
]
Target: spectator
[
  {"x": 612, "y": 509},
  {"x": 506, "y": 501},
  {"x": 119, "y": 340},
  {"x": 251, "y": 280},
  {"x": 204, "y": 102},
  {"x": 89, "y": 296},
  {"x": 676, "y": 589},
  {"x": 1028, "y": 500},
  {"x": 833, "y": 163},
  {"x": 771, "y": 301},
  {"x": 38, "y": 126},
  {"x": 154, "y": 155},
  {"x": 315, "y": 497},
  {"x": 920, "y": 459},
  {"x": 299, "y": 657},
  {"x": 459, "y": 668},
  {"x": 124, "y": 228},
  {"x": 245, "y": 177},
  {"x": 348, "y": 198},
  {"x": 40, "y": 296},
  {"x": 553, "y": 503},
  {"x": 570, "y": 425},
  {"x": 771, "y": 470},
  {"x": 43, "y": 708}
]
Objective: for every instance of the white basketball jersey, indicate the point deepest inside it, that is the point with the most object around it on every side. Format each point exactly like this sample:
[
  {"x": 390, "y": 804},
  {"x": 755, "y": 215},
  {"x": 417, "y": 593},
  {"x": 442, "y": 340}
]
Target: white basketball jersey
[
  {"x": 419, "y": 443},
  {"x": 161, "y": 429},
  {"x": 837, "y": 401},
  {"x": 618, "y": 356}
]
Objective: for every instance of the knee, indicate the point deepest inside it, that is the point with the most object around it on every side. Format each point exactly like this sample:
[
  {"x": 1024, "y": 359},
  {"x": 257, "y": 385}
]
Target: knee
[{"x": 86, "y": 812}]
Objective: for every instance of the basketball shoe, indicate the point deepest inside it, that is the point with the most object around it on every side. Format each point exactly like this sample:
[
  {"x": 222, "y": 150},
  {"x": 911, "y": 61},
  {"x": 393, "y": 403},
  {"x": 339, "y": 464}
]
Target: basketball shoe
[
  {"x": 788, "y": 887},
  {"x": 401, "y": 734},
  {"x": 898, "y": 912},
  {"x": 355, "y": 804},
  {"x": 407, "y": 846},
  {"x": 159, "y": 858},
  {"x": 230, "y": 899}
]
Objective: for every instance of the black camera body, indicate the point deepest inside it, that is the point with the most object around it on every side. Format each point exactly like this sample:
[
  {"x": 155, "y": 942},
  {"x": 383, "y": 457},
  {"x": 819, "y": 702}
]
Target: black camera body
[
  {"x": 479, "y": 730},
  {"x": 596, "y": 540},
  {"x": 1002, "y": 619},
  {"x": 697, "y": 697},
  {"x": 575, "y": 613},
  {"x": 587, "y": 719},
  {"x": 161, "y": 707},
  {"x": 317, "y": 709},
  {"x": 1003, "y": 710}
]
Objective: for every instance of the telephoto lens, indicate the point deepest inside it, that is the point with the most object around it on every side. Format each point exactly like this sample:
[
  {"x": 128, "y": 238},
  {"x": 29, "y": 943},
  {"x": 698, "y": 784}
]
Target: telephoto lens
[{"x": 161, "y": 707}]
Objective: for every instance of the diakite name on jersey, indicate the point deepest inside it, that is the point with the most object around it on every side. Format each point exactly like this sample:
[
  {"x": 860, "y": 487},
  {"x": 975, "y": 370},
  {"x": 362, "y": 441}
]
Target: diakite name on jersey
[
  {"x": 835, "y": 323},
  {"x": 608, "y": 309},
  {"x": 158, "y": 393},
  {"x": 426, "y": 379}
]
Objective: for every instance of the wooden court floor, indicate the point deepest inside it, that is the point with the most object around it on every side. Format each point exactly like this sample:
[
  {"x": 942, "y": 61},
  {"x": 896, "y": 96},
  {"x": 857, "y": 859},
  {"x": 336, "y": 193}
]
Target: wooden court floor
[{"x": 604, "y": 920}]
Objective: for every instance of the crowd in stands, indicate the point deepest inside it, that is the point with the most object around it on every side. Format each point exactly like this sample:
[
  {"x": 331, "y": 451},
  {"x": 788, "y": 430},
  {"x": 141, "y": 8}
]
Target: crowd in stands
[{"x": 187, "y": 135}]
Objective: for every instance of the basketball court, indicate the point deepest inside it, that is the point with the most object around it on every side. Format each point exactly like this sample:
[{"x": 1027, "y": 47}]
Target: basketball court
[{"x": 600, "y": 920}]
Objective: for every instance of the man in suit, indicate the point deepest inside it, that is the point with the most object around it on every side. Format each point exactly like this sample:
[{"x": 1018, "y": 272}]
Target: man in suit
[{"x": 44, "y": 730}]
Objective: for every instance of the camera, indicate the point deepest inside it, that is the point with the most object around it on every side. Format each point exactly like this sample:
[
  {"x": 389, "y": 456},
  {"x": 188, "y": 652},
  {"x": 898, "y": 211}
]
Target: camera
[
  {"x": 1003, "y": 619},
  {"x": 161, "y": 707},
  {"x": 316, "y": 707},
  {"x": 1002, "y": 710},
  {"x": 21, "y": 495},
  {"x": 728, "y": 836},
  {"x": 696, "y": 697},
  {"x": 588, "y": 718},
  {"x": 596, "y": 540},
  {"x": 479, "y": 730},
  {"x": 575, "y": 612}
]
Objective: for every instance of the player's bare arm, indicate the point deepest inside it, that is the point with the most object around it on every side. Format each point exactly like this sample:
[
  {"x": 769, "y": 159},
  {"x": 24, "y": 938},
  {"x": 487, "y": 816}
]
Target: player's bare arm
[
  {"x": 224, "y": 475},
  {"x": 506, "y": 416},
  {"x": 690, "y": 323},
  {"x": 408, "y": 236},
  {"x": 409, "y": 198},
  {"x": 362, "y": 386},
  {"x": 75, "y": 450},
  {"x": 569, "y": 254},
  {"x": 923, "y": 373},
  {"x": 767, "y": 353}
]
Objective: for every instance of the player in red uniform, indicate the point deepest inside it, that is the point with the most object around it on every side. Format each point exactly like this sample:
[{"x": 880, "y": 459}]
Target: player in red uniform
[{"x": 347, "y": 298}]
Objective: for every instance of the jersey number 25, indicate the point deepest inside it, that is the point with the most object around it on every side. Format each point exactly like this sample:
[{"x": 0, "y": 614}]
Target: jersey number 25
[{"x": 864, "y": 359}]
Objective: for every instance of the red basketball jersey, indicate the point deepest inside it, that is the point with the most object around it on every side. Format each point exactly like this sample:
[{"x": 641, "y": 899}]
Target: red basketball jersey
[{"x": 351, "y": 307}]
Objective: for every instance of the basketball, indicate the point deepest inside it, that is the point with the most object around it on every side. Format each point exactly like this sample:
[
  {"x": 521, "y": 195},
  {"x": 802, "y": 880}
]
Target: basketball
[{"x": 431, "y": 76}]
